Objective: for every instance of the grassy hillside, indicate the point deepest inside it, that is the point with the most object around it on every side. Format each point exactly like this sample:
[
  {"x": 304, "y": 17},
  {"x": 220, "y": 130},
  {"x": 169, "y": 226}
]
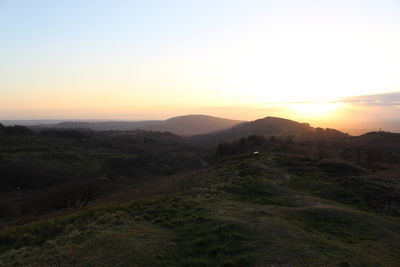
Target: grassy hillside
[
  {"x": 249, "y": 210},
  {"x": 52, "y": 170}
]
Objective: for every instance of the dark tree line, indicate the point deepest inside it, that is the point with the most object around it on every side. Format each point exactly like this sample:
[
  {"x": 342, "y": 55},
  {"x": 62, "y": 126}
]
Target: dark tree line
[
  {"x": 15, "y": 130},
  {"x": 240, "y": 146}
]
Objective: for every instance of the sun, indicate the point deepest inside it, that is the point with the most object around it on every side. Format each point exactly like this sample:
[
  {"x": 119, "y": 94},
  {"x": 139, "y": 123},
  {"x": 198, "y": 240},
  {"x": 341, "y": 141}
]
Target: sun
[{"x": 314, "y": 109}]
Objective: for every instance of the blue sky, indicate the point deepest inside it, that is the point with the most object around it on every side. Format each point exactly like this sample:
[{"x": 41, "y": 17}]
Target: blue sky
[{"x": 118, "y": 58}]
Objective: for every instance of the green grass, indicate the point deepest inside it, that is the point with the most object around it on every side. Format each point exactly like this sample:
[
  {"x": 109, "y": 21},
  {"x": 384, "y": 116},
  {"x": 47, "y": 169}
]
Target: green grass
[
  {"x": 249, "y": 211},
  {"x": 341, "y": 182},
  {"x": 198, "y": 239},
  {"x": 123, "y": 245},
  {"x": 352, "y": 237}
]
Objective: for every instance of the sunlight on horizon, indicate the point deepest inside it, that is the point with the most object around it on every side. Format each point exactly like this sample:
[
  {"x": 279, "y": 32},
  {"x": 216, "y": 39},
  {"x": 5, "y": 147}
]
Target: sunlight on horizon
[
  {"x": 140, "y": 59},
  {"x": 312, "y": 110}
]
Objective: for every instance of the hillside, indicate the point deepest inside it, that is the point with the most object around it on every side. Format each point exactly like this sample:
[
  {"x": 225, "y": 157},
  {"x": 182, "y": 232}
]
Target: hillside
[
  {"x": 271, "y": 125},
  {"x": 193, "y": 124},
  {"x": 308, "y": 197},
  {"x": 267, "y": 126},
  {"x": 182, "y": 125},
  {"x": 55, "y": 170},
  {"x": 251, "y": 210}
]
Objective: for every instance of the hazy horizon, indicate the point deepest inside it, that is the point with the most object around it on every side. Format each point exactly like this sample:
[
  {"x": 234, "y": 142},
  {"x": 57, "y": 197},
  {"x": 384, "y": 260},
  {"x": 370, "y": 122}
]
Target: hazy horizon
[
  {"x": 352, "y": 128},
  {"x": 327, "y": 63}
]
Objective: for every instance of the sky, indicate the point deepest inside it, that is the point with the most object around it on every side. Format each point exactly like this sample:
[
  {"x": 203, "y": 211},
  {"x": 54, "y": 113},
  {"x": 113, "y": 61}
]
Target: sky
[{"x": 322, "y": 61}]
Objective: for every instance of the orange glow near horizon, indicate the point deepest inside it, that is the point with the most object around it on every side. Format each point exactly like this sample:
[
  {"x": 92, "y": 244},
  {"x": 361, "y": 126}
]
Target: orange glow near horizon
[
  {"x": 154, "y": 61},
  {"x": 301, "y": 111},
  {"x": 316, "y": 110}
]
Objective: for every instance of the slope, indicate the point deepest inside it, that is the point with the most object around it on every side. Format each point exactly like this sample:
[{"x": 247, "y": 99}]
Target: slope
[
  {"x": 267, "y": 126},
  {"x": 246, "y": 211},
  {"x": 182, "y": 125}
]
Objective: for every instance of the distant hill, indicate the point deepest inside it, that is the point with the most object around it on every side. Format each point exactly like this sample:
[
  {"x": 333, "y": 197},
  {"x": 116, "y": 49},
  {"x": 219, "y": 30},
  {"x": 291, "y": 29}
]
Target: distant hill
[
  {"x": 387, "y": 138},
  {"x": 360, "y": 128},
  {"x": 266, "y": 126},
  {"x": 377, "y": 146},
  {"x": 193, "y": 124},
  {"x": 182, "y": 125},
  {"x": 278, "y": 134},
  {"x": 271, "y": 125},
  {"x": 29, "y": 122}
]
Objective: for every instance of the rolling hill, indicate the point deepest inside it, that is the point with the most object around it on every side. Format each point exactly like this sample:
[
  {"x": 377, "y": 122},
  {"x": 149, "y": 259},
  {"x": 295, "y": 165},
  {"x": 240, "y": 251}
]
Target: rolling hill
[
  {"x": 182, "y": 125},
  {"x": 266, "y": 126}
]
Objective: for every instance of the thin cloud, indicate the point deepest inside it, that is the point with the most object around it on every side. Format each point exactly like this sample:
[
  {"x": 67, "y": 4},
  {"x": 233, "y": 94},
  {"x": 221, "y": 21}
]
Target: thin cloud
[{"x": 379, "y": 100}]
